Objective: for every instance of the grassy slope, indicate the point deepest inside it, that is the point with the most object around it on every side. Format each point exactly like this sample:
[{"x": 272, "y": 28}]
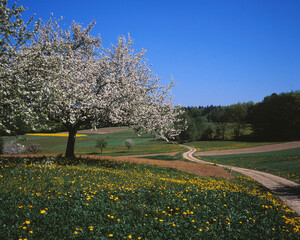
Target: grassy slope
[
  {"x": 86, "y": 145},
  {"x": 285, "y": 163},
  {"x": 96, "y": 200}
]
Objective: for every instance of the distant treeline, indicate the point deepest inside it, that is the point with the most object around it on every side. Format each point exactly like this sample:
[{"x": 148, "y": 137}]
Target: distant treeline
[{"x": 276, "y": 118}]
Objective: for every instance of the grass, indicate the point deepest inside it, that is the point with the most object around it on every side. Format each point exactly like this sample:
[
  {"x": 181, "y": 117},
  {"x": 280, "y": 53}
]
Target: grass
[
  {"x": 177, "y": 157},
  {"x": 223, "y": 145},
  {"x": 285, "y": 163},
  {"x": 144, "y": 144},
  {"x": 49, "y": 199}
]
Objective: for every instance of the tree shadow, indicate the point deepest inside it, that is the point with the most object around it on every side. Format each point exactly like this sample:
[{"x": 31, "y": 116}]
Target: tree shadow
[
  {"x": 291, "y": 192},
  {"x": 93, "y": 153}
]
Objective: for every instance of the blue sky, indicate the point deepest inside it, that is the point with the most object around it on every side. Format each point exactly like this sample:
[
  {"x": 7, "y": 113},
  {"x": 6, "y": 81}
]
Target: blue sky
[{"x": 220, "y": 52}]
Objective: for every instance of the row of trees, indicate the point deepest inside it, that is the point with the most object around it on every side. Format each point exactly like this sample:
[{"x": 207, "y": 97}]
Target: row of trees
[
  {"x": 49, "y": 73},
  {"x": 207, "y": 123},
  {"x": 275, "y": 118}
]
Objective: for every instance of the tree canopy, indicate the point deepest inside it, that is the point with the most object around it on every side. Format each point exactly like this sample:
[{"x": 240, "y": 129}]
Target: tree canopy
[
  {"x": 277, "y": 117},
  {"x": 69, "y": 78},
  {"x": 14, "y": 33}
]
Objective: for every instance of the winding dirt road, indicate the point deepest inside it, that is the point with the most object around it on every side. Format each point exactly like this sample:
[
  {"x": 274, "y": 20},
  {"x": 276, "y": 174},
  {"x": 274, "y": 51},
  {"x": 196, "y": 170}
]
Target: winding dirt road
[
  {"x": 283, "y": 188},
  {"x": 266, "y": 148}
]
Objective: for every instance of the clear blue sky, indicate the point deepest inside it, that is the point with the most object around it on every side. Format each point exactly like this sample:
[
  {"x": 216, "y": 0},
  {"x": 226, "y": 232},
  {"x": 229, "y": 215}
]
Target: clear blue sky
[{"x": 219, "y": 52}]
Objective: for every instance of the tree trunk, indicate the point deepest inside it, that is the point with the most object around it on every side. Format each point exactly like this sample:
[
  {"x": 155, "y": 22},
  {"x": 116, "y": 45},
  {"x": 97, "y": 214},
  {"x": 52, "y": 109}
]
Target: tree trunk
[{"x": 71, "y": 143}]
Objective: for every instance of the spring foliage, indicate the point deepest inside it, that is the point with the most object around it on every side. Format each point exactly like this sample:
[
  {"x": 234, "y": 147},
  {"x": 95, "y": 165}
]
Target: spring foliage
[
  {"x": 69, "y": 78},
  {"x": 14, "y": 33}
]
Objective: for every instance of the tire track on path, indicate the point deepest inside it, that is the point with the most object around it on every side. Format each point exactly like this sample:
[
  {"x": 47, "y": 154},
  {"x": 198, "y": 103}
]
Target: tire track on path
[{"x": 283, "y": 188}]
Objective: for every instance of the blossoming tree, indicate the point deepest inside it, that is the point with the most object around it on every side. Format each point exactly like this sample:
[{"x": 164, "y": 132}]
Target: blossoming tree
[
  {"x": 71, "y": 79},
  {"x": 13, "y": 34}
]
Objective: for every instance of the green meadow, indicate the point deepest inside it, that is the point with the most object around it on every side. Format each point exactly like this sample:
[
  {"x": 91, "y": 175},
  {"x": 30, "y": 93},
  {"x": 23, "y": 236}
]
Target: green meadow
[
  {"x": 47, "y": 199},
  {"x": 51, "y": 198},
  {"x": 144, "y": 144},
  {"x": 285, "y": 163}
]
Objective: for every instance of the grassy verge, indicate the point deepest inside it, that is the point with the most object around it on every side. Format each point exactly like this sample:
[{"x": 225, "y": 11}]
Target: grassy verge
[
  {"x": 50, "y": 199},
  {"x": 223, "y": 145},
  {"x": 285, "y": 163}
]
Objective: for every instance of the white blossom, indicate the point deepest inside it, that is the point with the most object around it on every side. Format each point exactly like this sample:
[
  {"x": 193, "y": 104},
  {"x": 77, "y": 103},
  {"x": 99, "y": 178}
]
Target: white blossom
[
  {"x": 69, "y": 78},
  {"x": 13, "y": 34}
]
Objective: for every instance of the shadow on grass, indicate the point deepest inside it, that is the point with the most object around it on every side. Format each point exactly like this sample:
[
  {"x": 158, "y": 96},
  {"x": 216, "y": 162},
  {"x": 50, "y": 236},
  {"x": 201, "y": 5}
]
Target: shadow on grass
[
  {"x": 93, "y": 153},
  {"x": 293, "y": 192}
]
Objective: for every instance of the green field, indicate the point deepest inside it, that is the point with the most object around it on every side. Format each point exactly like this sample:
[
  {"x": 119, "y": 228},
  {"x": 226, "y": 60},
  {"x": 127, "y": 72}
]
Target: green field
[
  {"x": 46, "y": 199},
  {"x": 144, "y": 144},
  {"x": 223, "y": 145},
  {"x": 285, "y": 163}
]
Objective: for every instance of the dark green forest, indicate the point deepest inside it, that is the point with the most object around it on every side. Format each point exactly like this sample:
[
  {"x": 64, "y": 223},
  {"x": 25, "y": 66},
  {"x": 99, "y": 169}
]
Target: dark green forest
[{"x": 276, "y": 118}]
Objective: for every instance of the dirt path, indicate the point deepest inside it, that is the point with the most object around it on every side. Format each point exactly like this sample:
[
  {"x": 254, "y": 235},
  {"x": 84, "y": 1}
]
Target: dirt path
[
  {"x": 266, "y": 148},
  {"x": 283, "y": 188}
]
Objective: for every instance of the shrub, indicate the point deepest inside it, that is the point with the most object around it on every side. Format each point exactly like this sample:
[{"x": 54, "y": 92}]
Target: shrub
[
  {"x": 129, "y": 143},
  {"x": 13, "y": 147},
  {"x": 101, "y": 143},
  {"x": 34, "y": 148}
]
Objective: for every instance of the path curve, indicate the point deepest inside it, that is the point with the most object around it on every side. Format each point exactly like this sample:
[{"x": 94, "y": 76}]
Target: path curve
[
  {"x": 265, "y": 148},
  {"x": 283, "y": 188}
]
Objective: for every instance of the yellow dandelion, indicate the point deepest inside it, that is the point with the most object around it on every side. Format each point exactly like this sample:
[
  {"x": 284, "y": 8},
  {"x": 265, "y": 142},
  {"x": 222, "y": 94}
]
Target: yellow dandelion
[
  {"x": 27, "y": 222},
  {"x": 43, "y": 211},
  {"x": 110, "y": 235},
  {"x": 130, "y": 236},
  {"x": 200, "y": 229}
]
